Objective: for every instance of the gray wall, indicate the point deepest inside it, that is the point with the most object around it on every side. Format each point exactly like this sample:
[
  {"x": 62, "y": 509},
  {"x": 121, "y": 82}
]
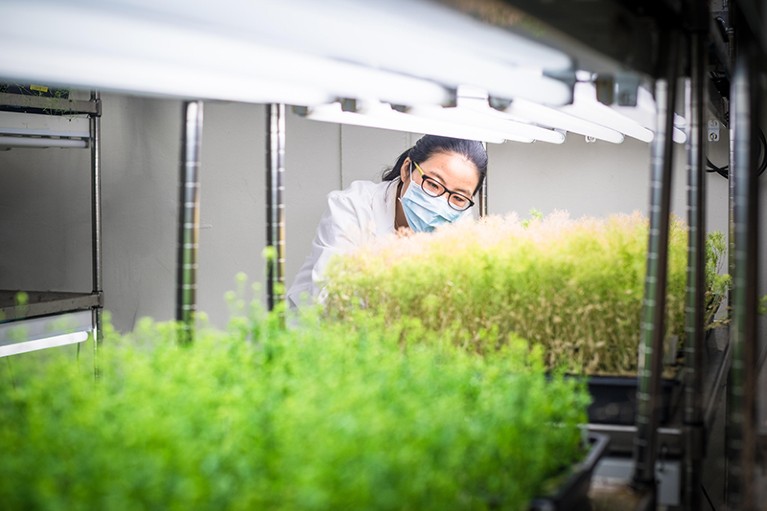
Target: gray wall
[{"x": 44, "y": 197}]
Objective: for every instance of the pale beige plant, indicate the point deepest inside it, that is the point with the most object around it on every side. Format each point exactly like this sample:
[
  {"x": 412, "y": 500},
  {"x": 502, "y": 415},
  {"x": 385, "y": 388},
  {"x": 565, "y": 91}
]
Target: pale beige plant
[{"x": 575, "y": 286}]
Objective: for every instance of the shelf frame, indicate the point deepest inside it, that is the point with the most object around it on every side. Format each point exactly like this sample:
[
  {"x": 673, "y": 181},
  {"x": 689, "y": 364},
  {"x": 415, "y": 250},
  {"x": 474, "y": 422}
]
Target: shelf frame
[
  {"x": 54, "y": 105},
  {"x": 34, "y": 308}
]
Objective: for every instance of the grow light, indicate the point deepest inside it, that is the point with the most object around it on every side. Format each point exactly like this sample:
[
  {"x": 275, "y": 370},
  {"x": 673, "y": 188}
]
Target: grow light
[
  {"x": 586, "y": 106},
  {"x": 472, "y": 109},
  {"x": 451, "y": 49},
  {"x": 25, "y": 335},
  {"x": 472, "y": 118},
  {"x": 645, "y": 113},
  {"x": 11, "y": 141},
  {"x": 44, "y": 343},
  {"x": 126, "y": 51},
  {"x": 380, "y": 115},
  {"x": 547, "y": 116},
  {"x": 588, "y": 117}
]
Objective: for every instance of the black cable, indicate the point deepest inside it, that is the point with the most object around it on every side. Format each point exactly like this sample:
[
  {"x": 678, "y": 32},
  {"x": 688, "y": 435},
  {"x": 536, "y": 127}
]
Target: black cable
[
  {"x": 705, "y": 493},
  {"x": 763, "y": 157},
  {"x": 724, "y": 171}
]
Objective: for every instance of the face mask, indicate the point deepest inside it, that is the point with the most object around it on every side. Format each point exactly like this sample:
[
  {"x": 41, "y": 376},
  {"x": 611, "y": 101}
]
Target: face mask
[{"x": 425, "y": 213}]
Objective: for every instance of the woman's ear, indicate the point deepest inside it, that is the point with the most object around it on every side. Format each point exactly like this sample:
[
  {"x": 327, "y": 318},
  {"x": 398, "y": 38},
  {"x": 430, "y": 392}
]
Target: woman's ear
[{"x": 404, "y": 170}]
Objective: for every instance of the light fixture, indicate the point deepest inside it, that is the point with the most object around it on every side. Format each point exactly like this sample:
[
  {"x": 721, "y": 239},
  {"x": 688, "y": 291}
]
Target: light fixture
[
  {"x": 645, "y": 113},
  {"x": 327, "y": 28},
  {"x": 472, "y": 109},
  {"x": 380, "y": 115},
  {"x": 439, "y": 43},
  {"x": 586, "y": 106},
  {"x": 112, "y": 49},
  {"x": 553, "y": 118},
  {"x": 43, "y": 343},
  {"x": 40, "y": 332},
  {"x": 17, "y": 141}
]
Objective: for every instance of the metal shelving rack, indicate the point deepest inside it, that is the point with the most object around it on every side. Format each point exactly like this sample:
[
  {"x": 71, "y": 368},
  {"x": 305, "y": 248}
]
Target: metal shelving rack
[
  {"x": 668, "y": 41},
  {"x": 46, "y": 319}
]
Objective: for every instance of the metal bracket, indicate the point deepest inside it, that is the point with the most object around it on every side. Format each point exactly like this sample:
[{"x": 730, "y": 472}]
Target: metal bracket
[
  {"x": 713, "y": 130},
  {"x": 620, "y": 89},
  {"x": 626, "y": 89}
]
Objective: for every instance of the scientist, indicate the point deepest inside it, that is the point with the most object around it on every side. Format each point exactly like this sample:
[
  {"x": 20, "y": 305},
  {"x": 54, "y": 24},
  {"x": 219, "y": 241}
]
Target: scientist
[{"x": 431, "y": 184}]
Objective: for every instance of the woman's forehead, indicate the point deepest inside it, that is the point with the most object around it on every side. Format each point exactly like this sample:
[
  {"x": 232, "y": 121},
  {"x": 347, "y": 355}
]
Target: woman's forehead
[{"x": 453, "y": 169}]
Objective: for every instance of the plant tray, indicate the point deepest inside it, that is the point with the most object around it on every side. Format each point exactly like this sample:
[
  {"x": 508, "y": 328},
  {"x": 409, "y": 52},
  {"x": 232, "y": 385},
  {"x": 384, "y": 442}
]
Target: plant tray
[
  {"x": 573, "y": 494},
  {"x": 41, "y": 91},
  {"x": 614, "y": 399}
]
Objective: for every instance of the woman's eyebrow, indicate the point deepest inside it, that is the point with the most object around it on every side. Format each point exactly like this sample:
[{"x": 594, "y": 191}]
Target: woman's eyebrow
[
  {"x": 464, "y": 191},
  {"x": 437, "y": 175}
]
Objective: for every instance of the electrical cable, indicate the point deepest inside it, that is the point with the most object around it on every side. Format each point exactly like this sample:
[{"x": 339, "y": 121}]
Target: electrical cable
[
  {"x": 705, "y": 493},
  {"x": 724, "y": 170}
]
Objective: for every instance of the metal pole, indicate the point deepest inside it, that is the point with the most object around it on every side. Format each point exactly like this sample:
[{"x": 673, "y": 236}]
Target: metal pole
[
  {"x": 96, "y": 224},
  {"x": 275, "y": 206},
  {"x": 696, "y": 264},
  {"x": 742, "y": 384},
  {"x": 653, "y": 315},
  {"x": 483, "y": 192},
  {"x": 483, "y": 198},
  {"x": 188, "y": 220}
]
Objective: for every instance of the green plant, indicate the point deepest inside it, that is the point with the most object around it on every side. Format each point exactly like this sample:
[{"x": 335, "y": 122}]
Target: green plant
[
  {"x": 573, "y": 286},
  {"x": 717, "y": 283},
  {"x": 373, "y": 414}
]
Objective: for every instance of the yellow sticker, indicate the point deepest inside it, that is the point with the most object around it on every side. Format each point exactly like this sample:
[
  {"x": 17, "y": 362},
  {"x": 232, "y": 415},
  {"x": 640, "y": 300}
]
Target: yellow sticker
[{"x": 39, "y": 88}]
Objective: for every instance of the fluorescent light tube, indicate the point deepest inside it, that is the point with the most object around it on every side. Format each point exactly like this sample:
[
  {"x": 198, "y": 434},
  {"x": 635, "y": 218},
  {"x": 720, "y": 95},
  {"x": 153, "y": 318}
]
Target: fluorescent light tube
[
  {"x": 145, "y": 77},
  {"x": 113, "y": 50},
  {"x": 17, "y": 141},
  {"x": 679, "y": 135},
  {"x": 45, "y": 342},
  {"x": 547, "y": 116},
  {"x": 355, "y": 29},
  {"x": 451, "y": 52},
  {"x": 377, "y": 115},
  {"x": 645, "y": 113},
  {"x": 489, "y": 119},
  {"x": 586, "y": 106},
  {"x": 456, "y": 116}
]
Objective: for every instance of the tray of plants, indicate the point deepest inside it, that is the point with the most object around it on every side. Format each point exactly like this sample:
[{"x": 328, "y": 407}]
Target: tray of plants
[
  {"x": 320, "y": 416},
  {"x": 571, "y": 494},
  {"x": 27, "y": 89},
  {"x": 572, "y": 288}
]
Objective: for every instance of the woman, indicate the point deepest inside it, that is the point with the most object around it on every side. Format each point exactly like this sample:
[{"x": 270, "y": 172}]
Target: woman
[{"x": 431, "y": 184}]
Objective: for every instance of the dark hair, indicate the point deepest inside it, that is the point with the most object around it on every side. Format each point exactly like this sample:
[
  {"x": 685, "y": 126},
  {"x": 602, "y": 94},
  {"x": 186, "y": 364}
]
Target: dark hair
[{"x": 429, "y": 145}]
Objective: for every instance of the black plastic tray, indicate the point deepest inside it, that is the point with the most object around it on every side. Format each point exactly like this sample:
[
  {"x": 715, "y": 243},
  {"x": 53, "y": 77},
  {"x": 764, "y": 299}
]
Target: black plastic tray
[
  {"x": 573, "y": 494},
  {"x": 614, "y": 399}
]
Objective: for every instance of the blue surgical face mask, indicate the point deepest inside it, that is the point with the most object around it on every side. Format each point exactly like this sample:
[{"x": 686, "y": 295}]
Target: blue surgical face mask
[{"x": 425, "y": 213}]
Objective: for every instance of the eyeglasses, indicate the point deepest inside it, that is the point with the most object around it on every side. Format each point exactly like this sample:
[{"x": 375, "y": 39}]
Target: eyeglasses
[{"x": 434, "y": 188}]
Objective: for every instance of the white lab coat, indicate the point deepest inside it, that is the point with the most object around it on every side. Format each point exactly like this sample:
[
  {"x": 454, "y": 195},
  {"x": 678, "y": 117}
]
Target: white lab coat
[{"x": 355, "y": 216}]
